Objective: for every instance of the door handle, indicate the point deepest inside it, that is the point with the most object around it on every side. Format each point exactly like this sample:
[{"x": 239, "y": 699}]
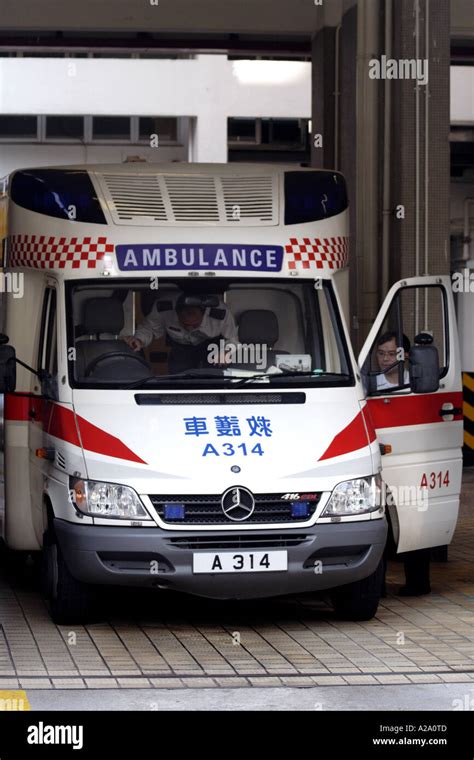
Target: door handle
[{"x": 447, "y": 412}]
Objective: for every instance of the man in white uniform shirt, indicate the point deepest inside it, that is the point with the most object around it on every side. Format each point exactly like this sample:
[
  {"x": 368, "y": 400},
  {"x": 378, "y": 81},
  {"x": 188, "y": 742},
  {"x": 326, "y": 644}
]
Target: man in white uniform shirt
[{"x": 189, "y": 330}]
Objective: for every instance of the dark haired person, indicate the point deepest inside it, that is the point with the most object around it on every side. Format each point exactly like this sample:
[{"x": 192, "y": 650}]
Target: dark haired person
[
  {"x": 189, "y": 330},
  {"x": 387, "y": 354}
]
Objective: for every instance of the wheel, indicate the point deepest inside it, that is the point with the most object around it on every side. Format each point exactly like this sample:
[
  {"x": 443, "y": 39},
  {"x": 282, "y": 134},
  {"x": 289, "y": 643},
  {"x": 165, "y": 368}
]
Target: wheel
[
  {"x": 359, "y": 600},
  {"x": 69, "y": 601}
]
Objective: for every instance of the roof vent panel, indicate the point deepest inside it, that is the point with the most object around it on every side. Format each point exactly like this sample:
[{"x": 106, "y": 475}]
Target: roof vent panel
[{"x": 189, "y": 199}]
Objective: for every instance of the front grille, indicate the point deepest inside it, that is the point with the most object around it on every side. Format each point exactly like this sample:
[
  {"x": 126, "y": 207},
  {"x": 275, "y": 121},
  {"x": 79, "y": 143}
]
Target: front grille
[
  {"x": 239, "y": 541},
  {"x": 207, "y": 510}
]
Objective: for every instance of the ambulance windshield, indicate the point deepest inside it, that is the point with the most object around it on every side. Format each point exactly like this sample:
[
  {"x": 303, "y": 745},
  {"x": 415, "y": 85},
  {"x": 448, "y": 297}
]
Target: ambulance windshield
[{"x": 145, "y": 334}]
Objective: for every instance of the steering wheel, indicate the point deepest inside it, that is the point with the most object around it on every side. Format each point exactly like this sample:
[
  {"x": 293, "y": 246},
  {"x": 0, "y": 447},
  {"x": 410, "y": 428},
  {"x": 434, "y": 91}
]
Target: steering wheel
[{"x": 113, "y": 355}]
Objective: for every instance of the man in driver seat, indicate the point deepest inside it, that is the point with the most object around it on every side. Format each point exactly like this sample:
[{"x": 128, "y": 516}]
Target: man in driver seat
[
  {"x": 388, "y": 357},
  {"x": 189, "y": 328}
]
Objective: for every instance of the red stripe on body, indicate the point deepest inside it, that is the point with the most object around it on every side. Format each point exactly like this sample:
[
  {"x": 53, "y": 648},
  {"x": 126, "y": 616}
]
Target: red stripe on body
[
  {"x": 61, "y": 422},
  {"x": 95, "y": 439},
  {"x": 356, "y": 435},
  {"x": 411, "y": 410}
]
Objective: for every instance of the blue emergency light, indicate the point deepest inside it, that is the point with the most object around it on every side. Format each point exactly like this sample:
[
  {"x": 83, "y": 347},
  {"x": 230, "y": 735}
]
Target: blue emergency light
[
  {"x": 313, "y": 195},
  {"x": 300, "y": 509},
  {"x": 174, "y": 511},
  {"x": 61, "y": 193}
]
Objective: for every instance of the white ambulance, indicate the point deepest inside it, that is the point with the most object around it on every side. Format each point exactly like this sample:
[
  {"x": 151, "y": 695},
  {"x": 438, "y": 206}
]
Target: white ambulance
[{"x": 183, "y": 409}]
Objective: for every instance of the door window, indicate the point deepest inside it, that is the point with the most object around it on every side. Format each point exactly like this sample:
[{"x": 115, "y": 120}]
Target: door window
[{"x": 416, "y": 315}]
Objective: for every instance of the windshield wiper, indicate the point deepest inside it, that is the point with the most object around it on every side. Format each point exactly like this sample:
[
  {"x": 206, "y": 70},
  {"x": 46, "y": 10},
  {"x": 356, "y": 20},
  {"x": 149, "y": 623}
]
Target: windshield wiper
[
  {"x": 292, "y": 373},
  {"x": 192, "y": 374},
  {"x": 313, "y": 373},
  {"x": 196, "y": 374}
]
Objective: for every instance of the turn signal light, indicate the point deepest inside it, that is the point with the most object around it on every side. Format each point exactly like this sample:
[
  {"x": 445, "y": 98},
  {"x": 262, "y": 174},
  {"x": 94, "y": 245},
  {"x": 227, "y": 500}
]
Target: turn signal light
[{"x": 45, "y": 454}]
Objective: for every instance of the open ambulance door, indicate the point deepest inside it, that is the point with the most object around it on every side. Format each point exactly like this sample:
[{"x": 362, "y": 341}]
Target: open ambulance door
[{"x": 420, "y": 434}]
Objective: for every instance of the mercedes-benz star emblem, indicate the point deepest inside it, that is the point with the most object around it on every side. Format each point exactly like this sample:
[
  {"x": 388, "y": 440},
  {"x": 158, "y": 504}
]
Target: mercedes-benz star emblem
[{"x": 237, "y": 504}]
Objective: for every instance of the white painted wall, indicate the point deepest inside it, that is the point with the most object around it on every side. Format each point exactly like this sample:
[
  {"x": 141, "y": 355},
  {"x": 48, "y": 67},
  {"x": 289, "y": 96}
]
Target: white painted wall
[{"x": 21, "y": 156}]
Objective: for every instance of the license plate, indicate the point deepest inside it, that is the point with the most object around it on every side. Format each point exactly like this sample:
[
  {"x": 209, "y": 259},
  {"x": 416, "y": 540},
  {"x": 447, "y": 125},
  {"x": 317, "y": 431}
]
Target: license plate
[{"x": 240, "y": 562}]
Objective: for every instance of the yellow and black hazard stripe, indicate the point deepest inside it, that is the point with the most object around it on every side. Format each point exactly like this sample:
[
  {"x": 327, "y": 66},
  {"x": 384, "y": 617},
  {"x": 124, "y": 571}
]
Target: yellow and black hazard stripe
[{"x": 468, "y": 412}]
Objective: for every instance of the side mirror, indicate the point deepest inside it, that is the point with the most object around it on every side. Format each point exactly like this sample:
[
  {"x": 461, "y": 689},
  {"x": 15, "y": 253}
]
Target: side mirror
[{"x": 423, "y": 363}]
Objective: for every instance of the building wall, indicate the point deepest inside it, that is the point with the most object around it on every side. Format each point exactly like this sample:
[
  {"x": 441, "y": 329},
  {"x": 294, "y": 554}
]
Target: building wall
[{"x": 20, "y": 156}]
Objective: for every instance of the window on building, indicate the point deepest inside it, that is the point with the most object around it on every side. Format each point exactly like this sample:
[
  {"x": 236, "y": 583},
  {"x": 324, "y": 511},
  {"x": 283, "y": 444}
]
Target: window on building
[
  {"x": 64, "y": 127},
  {"x": 242, "y": 130},
  {"x": 43, "y": 54},
  {"x": 19, "y": 127},
  {"x": 166, "y": 127},
  {"x": 268, "y": 140},
  {"x": 286, "y": 132},
  {"x": 111, "y": 128}
]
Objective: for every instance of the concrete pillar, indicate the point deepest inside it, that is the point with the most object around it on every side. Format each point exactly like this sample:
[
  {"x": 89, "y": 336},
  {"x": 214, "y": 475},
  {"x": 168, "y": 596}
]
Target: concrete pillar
[
  {"x": 339, "y": 150},
  {"x": 346, "y": 149},
  {"x": 208, "y": 131},
  {"x": 208, "y": 138},
  {"x": 323, "y": 87},
  {"x": 419, "y": 122},
  {"x": 368, "y": 163},
  {"x": 433, "y": 144}
]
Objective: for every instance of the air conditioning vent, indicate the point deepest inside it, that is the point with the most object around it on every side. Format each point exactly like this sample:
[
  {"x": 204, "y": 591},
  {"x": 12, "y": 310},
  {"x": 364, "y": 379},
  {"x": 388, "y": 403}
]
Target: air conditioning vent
[
  {"x": 248, "y": 198},
  {"x": 179, "y": 199},
  {"x": 193, "y": 199},
  {"x": 135, "y": 198}
]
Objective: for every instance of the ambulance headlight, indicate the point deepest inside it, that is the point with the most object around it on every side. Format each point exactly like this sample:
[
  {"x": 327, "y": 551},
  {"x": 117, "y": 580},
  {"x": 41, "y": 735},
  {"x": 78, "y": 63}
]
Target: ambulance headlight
[
  {"x": 98, "y": 499},
  {"x": 355, "y": 497}
]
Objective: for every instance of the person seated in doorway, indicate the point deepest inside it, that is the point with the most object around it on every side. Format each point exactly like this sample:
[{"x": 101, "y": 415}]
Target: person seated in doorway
[
  {"x": 189, "y": 328},
  {"x": 388, "y": 355},
  {"x": 416, "y": 563}
]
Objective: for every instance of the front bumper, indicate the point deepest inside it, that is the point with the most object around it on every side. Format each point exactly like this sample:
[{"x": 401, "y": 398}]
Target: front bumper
[{"x": 320, "y": 557}]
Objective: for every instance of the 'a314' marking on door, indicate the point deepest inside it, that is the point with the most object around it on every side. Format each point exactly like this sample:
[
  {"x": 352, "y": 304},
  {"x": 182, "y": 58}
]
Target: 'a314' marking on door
[{"x": 435, "y": 480}]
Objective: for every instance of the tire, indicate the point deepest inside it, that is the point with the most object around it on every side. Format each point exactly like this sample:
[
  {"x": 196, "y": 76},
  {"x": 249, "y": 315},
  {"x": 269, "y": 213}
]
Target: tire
[
  {"x": 439, "y": 554},
  {"x": 359, "y": 600},
  {"x": 69, "y": 601}
]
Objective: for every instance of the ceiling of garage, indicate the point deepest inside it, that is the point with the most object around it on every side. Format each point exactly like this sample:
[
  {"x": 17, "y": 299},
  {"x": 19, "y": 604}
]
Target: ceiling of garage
[
  {"x": 279, "y": 26},
  {"x": 172, "y": 16}
]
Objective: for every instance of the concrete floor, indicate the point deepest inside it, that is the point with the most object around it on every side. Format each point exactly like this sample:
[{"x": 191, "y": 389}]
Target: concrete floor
[{"x": 379, "y": 698}]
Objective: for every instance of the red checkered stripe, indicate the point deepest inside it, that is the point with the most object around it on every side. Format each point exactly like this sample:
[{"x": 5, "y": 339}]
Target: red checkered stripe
[
  {"x": 42, "y": 252},
  {"x": 317, "y": 253}
]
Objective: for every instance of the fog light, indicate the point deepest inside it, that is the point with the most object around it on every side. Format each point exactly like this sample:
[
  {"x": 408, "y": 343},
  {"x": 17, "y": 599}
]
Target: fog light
[{"x": 174, "y": 511}]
